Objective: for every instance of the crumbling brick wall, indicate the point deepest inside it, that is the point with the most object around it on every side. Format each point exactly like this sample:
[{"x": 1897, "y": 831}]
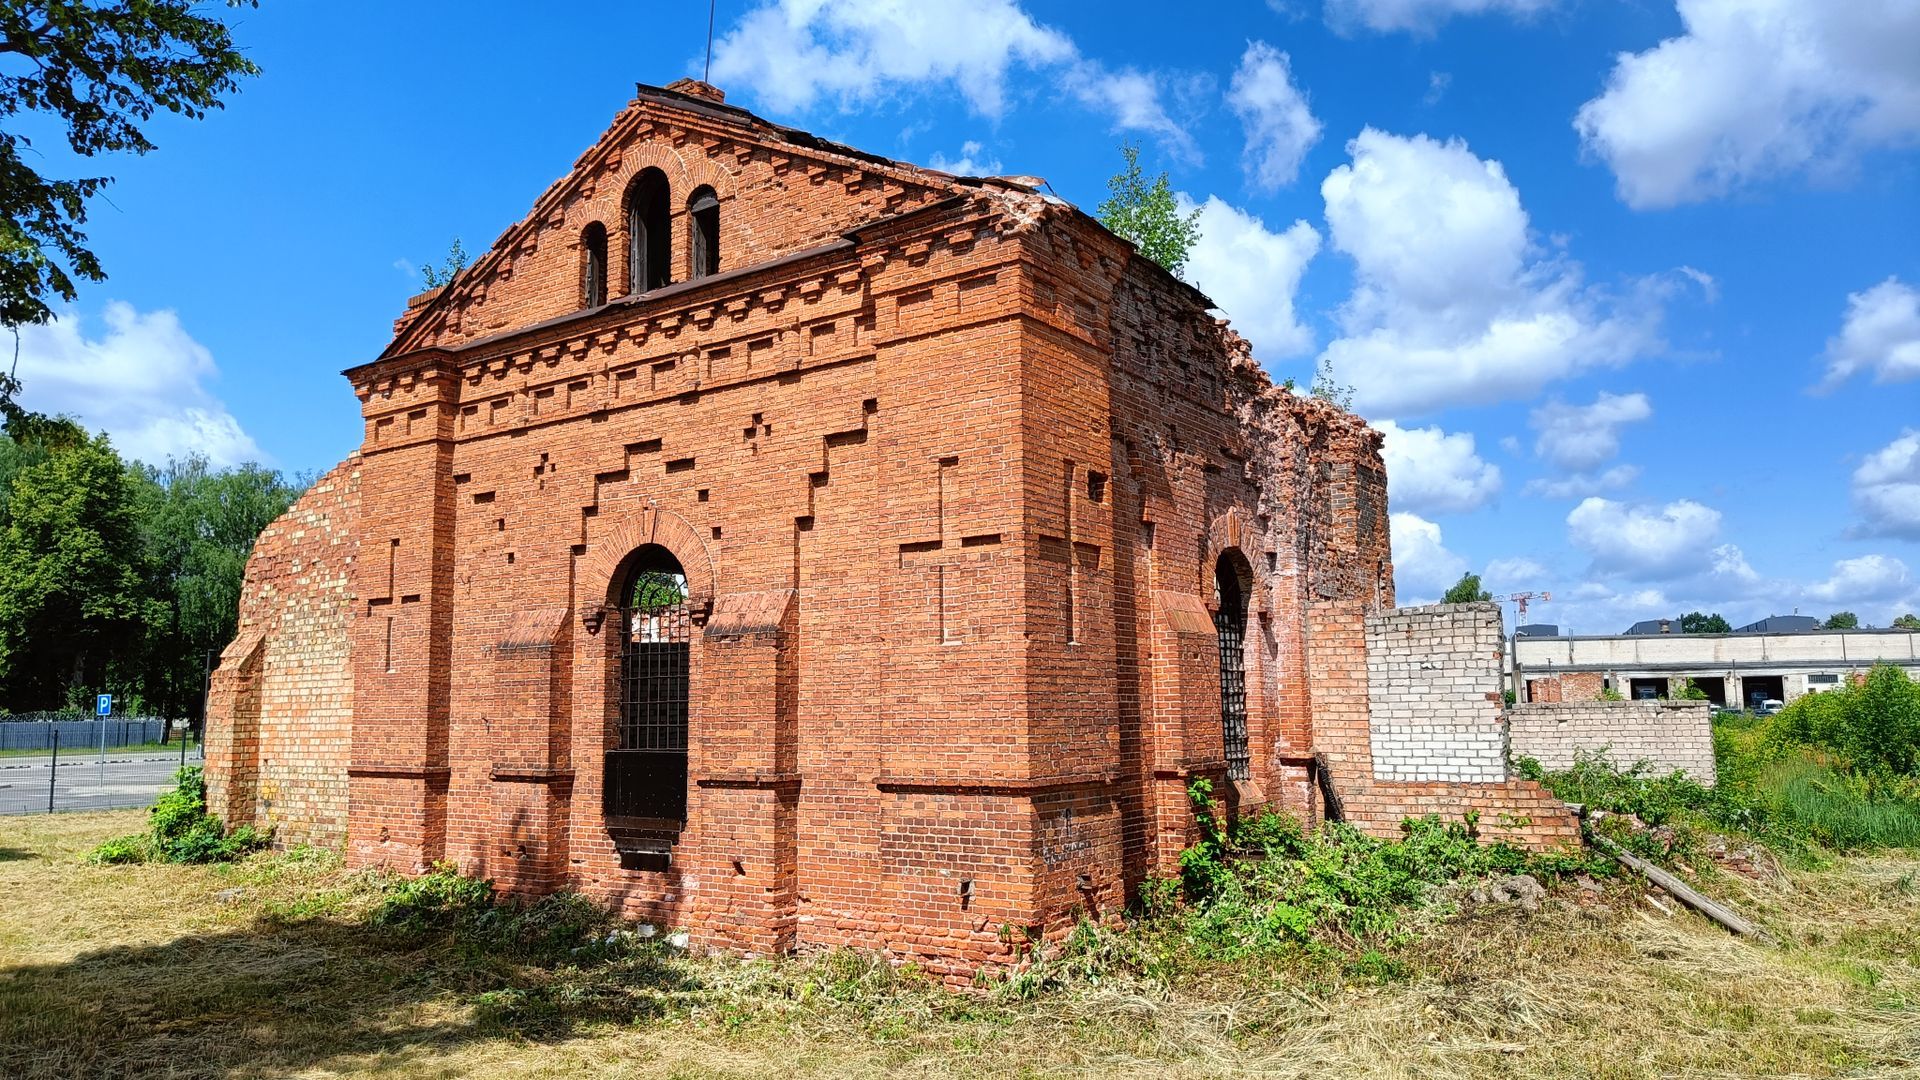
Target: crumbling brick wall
[
  {"x": 1462, "y": 644},
  {"x": 1666, "y": 734},
  {"x": 281, "y": 709}
]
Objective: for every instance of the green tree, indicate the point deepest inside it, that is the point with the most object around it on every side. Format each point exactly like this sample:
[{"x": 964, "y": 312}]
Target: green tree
[
  {"x": 1147, "y": 214},
  {"x": 1695, "y": 622},
  {"x": 72, "y": 594},
  {"x": 198, "y": 526},
  {"x": 1843, "y": 620},
  {"x": 456, "y": 261},
  {"x": 1908, "y": 621},
  {"x": 97, "y": 70},
  {"x": 1466, "y": 591}
]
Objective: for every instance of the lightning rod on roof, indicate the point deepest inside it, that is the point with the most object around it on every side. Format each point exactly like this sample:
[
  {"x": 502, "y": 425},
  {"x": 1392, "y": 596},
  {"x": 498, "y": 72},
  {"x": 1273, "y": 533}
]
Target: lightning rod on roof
[{"x": 706, "y": 76}]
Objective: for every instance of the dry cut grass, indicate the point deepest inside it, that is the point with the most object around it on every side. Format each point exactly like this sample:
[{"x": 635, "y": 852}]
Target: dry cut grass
[{"x": 163, "y": 971}]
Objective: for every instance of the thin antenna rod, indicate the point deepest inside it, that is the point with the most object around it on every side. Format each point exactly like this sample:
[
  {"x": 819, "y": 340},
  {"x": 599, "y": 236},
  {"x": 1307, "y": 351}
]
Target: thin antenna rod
[{"x": 707, "y": 75}]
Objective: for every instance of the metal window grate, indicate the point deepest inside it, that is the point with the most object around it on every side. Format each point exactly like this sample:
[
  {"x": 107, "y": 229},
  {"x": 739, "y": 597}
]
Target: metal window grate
[
  {"x": 1230, "y": 621},
  {"x": 646, "y": 776}
]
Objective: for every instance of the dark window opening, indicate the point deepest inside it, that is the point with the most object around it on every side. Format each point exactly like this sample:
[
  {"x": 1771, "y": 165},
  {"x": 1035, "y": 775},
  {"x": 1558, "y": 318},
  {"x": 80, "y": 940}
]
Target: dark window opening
[
  {"x": 593, "y": 265},
  {"x": 703, "y": 211},
  {"x": 1233, "y": 580},
  {"x": 645, "y": 793},
  {"x": 649, "y": 232}
]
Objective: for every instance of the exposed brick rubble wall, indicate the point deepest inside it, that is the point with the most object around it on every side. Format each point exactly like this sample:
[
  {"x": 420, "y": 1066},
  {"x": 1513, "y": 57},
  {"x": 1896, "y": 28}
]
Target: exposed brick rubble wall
[
  {"x": 1461, "y": 648},
  {"x": 281, "y": 707},
  {"x": 1574, "y": 686},
  {"x": 951, "y": 472},
  {"x": 1666, "y": 734}
]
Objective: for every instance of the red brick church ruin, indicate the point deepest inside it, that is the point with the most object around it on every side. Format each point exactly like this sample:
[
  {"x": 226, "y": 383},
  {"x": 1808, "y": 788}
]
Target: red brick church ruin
[{"x": 805, "y": 549}]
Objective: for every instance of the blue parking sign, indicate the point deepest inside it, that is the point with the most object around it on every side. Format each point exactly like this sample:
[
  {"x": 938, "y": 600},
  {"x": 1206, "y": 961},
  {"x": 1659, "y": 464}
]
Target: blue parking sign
[{"x": 103, "y": 705}]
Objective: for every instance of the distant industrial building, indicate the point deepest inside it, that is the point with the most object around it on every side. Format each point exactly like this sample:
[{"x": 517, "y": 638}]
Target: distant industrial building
[{"x": 1776, "y": 659}]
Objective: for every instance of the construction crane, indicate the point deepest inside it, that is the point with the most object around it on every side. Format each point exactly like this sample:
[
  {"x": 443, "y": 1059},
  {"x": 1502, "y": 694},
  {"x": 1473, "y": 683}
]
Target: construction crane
[{"x": 1519, "y": 601}]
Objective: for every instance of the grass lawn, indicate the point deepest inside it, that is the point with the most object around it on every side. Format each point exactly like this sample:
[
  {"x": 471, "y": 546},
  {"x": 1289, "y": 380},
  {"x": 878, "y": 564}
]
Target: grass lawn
[{"x": 266, "y": 968}]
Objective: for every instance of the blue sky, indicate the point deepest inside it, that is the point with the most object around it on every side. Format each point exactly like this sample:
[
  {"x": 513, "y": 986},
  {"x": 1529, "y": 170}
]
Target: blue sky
[{"x": 1633, "y": 288}]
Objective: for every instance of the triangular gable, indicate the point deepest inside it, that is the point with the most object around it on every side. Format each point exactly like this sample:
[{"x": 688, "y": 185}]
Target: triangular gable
[{"x": 677, "y": 118}]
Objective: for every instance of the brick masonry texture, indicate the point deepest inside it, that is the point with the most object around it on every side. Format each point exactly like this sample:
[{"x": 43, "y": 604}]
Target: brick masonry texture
[
  {"x": 1668, "y": 735},
  {"x": 1434, "y": 693},
  {"x": 951, "y": 472},
  {"x": 1566, "y": 686}
]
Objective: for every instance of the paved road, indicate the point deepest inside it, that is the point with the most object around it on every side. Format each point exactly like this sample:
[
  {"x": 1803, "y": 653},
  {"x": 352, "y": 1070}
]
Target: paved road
[{"x": 126, "y": 780}]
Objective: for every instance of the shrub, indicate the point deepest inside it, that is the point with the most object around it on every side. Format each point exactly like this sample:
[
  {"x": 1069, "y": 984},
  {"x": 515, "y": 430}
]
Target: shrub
[
  {"x": 1875, "y": 725},
  {"x": 444, "y": 904},
  {"x": 179, "y": 830},
  {"x": 1266, "y": 884}
]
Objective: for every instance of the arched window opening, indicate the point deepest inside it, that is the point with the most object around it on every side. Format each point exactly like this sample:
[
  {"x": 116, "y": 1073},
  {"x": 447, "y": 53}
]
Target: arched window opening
[
  {"x": 703, "y": 210},
  {"x": 649, "y": 232},
  {"x": 1232, "y": 582},
  {"x": 645, "y": 791},
  {"x": 593, "y": 265}
]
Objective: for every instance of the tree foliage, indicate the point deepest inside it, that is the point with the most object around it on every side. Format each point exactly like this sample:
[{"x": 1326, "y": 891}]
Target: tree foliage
[
  {"x": 1146, "y": 213},
  {"x": 1909, "y": 621},
  {"x": 456, "y": 261},
  {"x": 1695, "y": 622},
  {"x": 119, "y": 576},
  {"x": 97, "y": 70},
  {"x": 1843, "y": 620},
  {"x": 72, "y": 596},
  {"x": 1466, "y": 591}
]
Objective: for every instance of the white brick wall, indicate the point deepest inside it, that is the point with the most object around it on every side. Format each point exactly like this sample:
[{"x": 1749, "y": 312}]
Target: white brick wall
[
  {"x": 1667, "y": 734},
  {"x": 1433, "y": 692}
]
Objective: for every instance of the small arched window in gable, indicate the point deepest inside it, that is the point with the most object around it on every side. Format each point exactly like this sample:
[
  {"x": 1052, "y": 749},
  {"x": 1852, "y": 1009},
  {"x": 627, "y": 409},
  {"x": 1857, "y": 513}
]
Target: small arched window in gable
[
  {"x": 649, "y": 232},
  {"x": 703, "y": 211},
  {"x": 593, "y": 265}
]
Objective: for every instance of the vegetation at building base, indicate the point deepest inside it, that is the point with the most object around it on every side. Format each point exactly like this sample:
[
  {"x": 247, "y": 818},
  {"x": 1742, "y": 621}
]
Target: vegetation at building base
[
  {"x": 179, "y": 830},
  {"x": 116, "y": 576},
  {"x": 282, "y": 964}
]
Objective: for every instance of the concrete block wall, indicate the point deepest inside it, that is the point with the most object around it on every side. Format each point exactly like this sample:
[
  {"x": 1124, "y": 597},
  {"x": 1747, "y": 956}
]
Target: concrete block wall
[
  {"x": 1668, "y": 735},
  {"x": 1434, "y": 695}
]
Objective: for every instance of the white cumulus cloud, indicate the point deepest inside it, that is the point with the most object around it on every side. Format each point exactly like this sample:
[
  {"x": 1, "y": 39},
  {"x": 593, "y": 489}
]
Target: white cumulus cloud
[
  {"x": 1647, "y": 542},
  {"x": 1430, "y": 471},
  {"x": 1581, "y": 485},
  {"x": 794, "y": 54},
  {"x": 1252, "y": 273},
  {"x": 1280, "y": 126},
  {"x": 1419, "y": 16},
  {"x": 1865, "y": 582},
  {"x": 1451, "y": 304},
  {"x": 973, "y": 161},
  {"x": 1886, "y": 489},
  {"x": 1754, "y": 89},
  {"x": 1583, "y": 437},
  {"x": 144, "y": 381},
  {"x": 1423, "y": 568},
  {"x": 1880, "y": 333}
]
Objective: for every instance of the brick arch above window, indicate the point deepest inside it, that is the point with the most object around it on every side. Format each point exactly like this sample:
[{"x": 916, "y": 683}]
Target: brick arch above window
[
  {"x": 599, "y": 570},
  {"x": 1235, "y": 530}
]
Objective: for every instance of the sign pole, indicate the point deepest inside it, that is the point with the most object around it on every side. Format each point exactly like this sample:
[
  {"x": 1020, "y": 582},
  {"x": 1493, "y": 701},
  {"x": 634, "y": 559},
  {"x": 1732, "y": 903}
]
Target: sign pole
[{"x": 53, "y": 773}]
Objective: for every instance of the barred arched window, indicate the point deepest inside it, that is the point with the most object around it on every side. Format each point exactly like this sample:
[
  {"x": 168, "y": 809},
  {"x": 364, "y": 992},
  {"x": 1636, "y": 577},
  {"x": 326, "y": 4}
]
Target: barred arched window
[{"x": 1233, "y": 582}]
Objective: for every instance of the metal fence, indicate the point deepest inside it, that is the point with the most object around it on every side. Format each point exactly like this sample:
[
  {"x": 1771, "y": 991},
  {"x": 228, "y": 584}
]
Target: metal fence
[
  {"x": 49, "y": 765},
  {"x": 37, "y": 732}
]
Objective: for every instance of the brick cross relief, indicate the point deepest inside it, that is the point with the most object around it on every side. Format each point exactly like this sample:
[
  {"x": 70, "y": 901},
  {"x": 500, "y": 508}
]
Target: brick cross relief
[{"x": 946, "y": 555}]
